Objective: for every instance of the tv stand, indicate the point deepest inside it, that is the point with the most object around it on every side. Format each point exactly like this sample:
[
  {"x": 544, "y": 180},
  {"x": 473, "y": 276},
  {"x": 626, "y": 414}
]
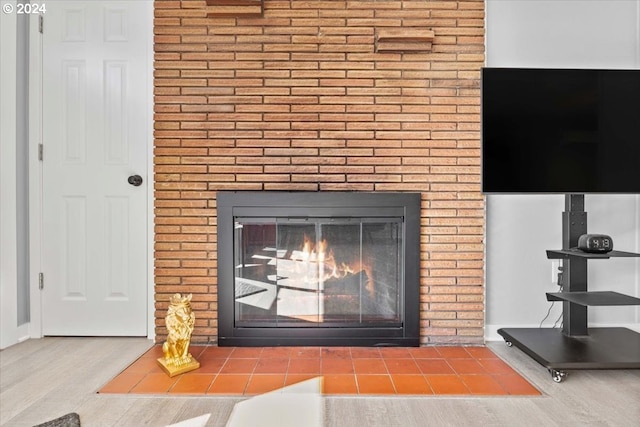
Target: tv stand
[{"x": 577, "y": 346}]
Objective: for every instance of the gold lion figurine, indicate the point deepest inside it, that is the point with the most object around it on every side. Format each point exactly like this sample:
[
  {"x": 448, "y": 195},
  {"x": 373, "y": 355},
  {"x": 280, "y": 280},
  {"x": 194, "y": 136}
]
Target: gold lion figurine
[{"x": 180, "y": 321}]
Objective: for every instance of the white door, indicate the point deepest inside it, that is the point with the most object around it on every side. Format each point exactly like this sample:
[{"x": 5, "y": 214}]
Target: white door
[{"x": 95, "y": 133}]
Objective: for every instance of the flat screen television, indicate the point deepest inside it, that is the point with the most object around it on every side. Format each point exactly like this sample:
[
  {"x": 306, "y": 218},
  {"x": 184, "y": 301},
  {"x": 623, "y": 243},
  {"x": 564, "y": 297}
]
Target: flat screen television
[{"x": 560, "y": 131}]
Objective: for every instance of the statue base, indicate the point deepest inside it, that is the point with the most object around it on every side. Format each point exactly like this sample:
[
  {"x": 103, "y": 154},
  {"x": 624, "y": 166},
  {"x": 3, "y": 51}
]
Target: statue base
[{"x": 172, "y": 370}]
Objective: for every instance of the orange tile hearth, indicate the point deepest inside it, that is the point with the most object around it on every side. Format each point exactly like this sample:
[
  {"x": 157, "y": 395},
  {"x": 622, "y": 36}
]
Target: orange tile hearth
[{"x": 248, "y": 371}]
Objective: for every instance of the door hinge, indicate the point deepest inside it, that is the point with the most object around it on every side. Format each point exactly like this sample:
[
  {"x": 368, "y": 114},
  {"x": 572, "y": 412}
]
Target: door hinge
[
  {"x": 41, "y": 24},
  {"x": 41, "y": 281},
  {"x": 40, "y": 152}
]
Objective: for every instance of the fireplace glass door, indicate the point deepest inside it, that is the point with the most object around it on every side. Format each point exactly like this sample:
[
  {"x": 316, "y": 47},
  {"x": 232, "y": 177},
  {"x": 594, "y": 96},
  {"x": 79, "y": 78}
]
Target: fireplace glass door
[{"x": 318, "y": 272}]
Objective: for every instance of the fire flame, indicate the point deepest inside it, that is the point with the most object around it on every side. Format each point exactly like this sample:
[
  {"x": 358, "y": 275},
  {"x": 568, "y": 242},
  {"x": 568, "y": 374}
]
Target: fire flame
[{"x": 328, "y": 268}]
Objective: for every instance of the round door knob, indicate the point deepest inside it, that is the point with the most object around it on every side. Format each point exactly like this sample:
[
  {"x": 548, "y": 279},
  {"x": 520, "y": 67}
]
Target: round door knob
[{"x": 135, "y": 180}]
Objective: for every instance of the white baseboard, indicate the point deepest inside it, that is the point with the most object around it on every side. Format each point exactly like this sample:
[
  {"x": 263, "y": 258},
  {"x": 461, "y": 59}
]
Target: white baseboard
[{"x": 23, "y": 332}]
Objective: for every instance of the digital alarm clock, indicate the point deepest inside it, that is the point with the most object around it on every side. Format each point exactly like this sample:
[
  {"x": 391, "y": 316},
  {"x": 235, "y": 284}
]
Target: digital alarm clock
[{"x": 595, "y": 243}]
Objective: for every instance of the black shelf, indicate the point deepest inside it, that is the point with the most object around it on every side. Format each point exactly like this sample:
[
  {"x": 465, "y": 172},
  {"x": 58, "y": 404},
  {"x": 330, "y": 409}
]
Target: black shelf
[
  {"x": 603, "y": 298},
  {"x": 576, "y": 346},
  {"x": 567, "y": 253},
  {"x": 602, "y": 348}
]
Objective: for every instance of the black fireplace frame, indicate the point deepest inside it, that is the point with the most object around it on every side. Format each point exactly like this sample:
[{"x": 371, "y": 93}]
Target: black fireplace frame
[{"x": 233, "y": 204}]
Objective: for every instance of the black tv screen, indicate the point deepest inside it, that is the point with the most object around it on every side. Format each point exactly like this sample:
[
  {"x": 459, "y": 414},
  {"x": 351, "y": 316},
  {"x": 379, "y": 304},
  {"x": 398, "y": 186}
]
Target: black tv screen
[{"x": 560, "y": 131}]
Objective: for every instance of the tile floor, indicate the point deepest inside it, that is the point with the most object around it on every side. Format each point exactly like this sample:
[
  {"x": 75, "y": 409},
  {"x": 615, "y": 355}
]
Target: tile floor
[{"x": 248, "y": 371}]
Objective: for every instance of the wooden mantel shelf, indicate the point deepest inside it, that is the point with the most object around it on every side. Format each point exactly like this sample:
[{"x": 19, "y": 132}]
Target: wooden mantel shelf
[
  {"x": 404, "y": 40},
  {"x": 234, "y": 8}
]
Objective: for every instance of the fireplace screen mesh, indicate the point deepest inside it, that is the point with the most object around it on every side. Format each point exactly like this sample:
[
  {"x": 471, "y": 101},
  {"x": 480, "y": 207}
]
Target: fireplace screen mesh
[{"x": 318, "y": 272}]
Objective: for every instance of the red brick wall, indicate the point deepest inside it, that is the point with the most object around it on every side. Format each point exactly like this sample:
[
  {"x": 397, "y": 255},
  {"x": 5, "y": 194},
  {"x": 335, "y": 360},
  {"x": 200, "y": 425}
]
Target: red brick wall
[{"x": 300, "y": 100}]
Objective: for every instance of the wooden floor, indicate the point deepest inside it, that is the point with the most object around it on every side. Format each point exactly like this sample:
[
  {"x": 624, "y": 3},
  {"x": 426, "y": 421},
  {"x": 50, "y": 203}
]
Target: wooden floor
[{"x": 46, "y": 378}]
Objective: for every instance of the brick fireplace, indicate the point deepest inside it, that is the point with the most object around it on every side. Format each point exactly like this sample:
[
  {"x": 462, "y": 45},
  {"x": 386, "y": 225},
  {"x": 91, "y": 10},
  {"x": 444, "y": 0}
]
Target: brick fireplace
[{"x": 301, "y": 99}]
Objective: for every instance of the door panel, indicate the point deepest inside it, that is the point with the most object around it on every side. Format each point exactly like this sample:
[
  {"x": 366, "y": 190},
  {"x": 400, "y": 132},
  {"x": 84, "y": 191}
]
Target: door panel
[{"x": 96, "y": 121}]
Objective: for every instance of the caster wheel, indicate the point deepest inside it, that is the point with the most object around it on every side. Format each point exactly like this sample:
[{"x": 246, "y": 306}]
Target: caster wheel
[
  {"x": 558, "y": 376},
  {"x": 508, "y": 343}
]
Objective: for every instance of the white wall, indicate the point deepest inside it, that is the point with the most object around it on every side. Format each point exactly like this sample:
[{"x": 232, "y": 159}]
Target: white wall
[
  {"x": 558, "y": 34},
  {"x": 14, "y": 174},
  {"x": 8, "y": 179}
]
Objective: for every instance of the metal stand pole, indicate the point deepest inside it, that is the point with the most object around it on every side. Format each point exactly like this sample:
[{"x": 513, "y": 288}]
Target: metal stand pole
[{"x": 574, "y": 224}]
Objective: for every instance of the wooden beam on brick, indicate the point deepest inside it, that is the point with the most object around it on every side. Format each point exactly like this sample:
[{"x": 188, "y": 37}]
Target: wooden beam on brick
[
  {"x": 404, "y": 40},
  {"x": 234, "y": 8}
]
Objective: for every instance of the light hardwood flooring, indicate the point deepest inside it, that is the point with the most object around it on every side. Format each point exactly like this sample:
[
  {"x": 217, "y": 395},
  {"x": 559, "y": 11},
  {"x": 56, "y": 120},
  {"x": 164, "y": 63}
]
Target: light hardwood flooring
[{"x": 46, "y": 378}]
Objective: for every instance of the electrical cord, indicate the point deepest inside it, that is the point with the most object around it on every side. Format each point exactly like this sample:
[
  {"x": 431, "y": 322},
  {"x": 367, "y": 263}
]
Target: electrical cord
[
  {"x": 561, "y": 285},
  {"x": 555, "y": 324},
  {"x": 548, "y": 313}
]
